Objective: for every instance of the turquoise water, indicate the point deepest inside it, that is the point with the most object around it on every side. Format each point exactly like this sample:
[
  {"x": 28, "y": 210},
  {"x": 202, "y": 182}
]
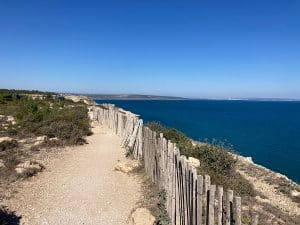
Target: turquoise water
[{"x": 269, "y": 132}]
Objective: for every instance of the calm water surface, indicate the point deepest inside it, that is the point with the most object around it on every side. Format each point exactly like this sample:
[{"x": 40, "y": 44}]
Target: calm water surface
[{"x": 269, "y": 132}]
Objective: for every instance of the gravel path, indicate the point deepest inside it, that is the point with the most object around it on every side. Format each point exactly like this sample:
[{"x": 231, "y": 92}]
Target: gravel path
[{"x": 80, "y": 187}]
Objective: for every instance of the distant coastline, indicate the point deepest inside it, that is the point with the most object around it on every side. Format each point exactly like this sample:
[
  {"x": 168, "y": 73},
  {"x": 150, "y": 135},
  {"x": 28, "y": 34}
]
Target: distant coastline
[
  {"x": 160, "y": 97},
  {"x": 132, "y": 97}
]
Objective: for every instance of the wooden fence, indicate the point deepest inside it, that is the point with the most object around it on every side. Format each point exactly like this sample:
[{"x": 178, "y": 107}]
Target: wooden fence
[{"x": 191, "y": 198}]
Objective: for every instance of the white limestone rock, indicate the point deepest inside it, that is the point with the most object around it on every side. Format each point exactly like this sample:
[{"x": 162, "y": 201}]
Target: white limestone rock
[
  {"x": 194, "y": 162},
  {"x": 127, "y": 167},
  {"x": 29, "y": 167},
  {"x": 2, "y": 139},
  {"x": 2, "y": 165},
  {"x": 142, "y": 216}
]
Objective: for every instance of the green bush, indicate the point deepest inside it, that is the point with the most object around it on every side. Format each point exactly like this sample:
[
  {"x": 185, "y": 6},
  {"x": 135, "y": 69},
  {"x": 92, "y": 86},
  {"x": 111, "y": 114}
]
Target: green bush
[
  {"x": 70, "y": 125},
  {"x": 162, "y": 217},
  {"x": 214, "y": 157},
  {"x": 182, "y": 141},
  {"x": 53, "y": 117}
]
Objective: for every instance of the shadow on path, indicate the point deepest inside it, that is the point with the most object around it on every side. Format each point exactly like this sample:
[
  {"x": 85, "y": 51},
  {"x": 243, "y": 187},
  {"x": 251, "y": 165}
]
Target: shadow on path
[{"x": 8, "y": 218}]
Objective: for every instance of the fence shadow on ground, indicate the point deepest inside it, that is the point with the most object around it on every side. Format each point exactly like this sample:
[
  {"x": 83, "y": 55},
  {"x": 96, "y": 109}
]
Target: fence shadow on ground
[{"x": 8, "y": 217}]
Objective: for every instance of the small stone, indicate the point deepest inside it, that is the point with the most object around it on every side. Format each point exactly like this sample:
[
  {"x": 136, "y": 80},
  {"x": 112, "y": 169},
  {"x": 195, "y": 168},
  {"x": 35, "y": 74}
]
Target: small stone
[
  {"x": 127, "y": 167},
  {"x": 142, "y": 216},
  {"x": 2, "y": 165},
  {"x": 194, "y": 162},
  {"x": 295, "y": 193},
  {"x": 53, "y": 139},
  {"x": 249, "y": 159},
  {"x": 263, "y": 200},
  {"x": 30, "y": 167},
  {"x": 41, "y": 138},
  {"x": 11, "y": 119},
  {"x": 5, "y": 139}
]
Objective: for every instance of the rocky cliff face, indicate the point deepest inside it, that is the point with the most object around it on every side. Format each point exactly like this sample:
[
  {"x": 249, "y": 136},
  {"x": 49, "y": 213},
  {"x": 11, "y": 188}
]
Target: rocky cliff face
[{"x": 77, "y": 98}]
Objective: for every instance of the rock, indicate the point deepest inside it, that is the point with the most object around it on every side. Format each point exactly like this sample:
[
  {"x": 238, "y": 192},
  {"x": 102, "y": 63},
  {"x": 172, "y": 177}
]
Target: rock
[
  {"x": 41, "y": 138},
  {"x": 127, "y": 167},
  {"x": 194, "y": 162},
  {"x": 142, "y": 216},
  {"x": 2, "y": 165},
  {"x": 23, "y": 141},
  {"x": 5, "y": 139},
  {"x": 53, "y": 139},
  {"x": 29, "y": 168},
  {"x": 249, "y": 159},
  {"x": 263, "y": 200},
  {"x": 295, "y": 193},
  {"x": 11, "y": 119}
]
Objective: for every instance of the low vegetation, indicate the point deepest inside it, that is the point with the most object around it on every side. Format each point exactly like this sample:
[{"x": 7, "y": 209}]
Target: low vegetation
[
  {"x": 154, "y": 199},
  {"x": 215, "y": 159},
  {"x": 52, "y": 116},
  {"x": 31, "y": 121}
]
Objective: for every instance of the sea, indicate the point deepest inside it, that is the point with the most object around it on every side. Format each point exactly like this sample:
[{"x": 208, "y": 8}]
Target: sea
[{"x": 267, "y": 131}]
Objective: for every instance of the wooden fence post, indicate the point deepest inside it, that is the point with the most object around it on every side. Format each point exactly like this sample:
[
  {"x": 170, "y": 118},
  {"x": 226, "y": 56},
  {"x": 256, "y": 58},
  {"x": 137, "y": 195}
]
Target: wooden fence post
[
  {"x": 206, "y": 196},
  {"x": 220, "y": 206},
  {"x": 199, "y": 199},
  {"x": 237, "y": 208},
  {"x": 254, "y": 219},
  {"x": 211, "y": 207},
  {"x": 229, "y": 207}
]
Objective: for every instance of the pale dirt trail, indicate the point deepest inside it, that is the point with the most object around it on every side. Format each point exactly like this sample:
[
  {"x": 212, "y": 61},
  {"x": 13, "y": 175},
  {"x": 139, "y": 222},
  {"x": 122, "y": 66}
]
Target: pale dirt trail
[{"x": 80, "y": 187}]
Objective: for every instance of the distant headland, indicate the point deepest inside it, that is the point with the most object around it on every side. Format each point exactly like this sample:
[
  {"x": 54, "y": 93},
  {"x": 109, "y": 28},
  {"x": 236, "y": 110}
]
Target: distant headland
[{"x": 132, "y": 97}]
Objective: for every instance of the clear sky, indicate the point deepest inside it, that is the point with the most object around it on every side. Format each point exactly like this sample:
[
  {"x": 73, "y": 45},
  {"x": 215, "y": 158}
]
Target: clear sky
[{"x": 183, "y": 48}]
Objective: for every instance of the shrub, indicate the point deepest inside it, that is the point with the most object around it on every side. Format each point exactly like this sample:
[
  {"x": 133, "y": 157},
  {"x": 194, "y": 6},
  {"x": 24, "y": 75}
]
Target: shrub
[
  {"x": 69, "y": 125},
  {"x": 214, "y": 157},
  {"x": 162, "y": 217},
  {"x": 64, "y": 119},
  {"x": 182, "y": 141}
]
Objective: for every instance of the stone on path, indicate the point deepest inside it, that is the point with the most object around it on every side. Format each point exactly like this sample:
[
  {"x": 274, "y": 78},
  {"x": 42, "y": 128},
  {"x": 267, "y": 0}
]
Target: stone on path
[
  {"x": 127, "y": 167},
  {"x": 142, "y": 216},
  {"x": 29, "y": 168}
]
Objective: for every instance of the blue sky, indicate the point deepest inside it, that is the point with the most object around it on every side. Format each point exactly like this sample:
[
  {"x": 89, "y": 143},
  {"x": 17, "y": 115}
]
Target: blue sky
[{"x": 183, "y": 48}]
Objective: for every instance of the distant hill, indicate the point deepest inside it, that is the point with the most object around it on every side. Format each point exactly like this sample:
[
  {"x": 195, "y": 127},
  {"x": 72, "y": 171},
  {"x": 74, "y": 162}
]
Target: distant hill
[{"x": 132, "y": 97}]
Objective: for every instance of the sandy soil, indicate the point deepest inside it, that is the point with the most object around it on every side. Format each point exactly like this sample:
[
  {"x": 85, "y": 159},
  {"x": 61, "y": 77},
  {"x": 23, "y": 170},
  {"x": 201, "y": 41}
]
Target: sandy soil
[{"x": 80, "y": 187}]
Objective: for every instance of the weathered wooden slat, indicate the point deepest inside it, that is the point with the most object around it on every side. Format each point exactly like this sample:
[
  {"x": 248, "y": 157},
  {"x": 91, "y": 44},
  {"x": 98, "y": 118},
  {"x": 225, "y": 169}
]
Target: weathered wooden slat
[
  {"x": 237, "y": 209},
  {"x": 254, "y": 219},
  {"x": 206, "y": 197},
  {"x": 220, "y": 206},
  {"x": 229, "y": 207},
  {"x": 211, "y": 205},
  {"x": 194, "y": 197},
  {"x": 199, "y": 199}
]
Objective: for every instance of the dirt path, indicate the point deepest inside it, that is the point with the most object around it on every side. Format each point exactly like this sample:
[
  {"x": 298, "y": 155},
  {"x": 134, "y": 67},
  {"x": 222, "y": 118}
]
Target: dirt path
[{"x": 80, "y": 187}]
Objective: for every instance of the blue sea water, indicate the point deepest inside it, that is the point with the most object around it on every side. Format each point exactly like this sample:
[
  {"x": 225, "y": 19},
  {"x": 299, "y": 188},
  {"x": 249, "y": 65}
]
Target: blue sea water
[{"x": 269, "y": 132}]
